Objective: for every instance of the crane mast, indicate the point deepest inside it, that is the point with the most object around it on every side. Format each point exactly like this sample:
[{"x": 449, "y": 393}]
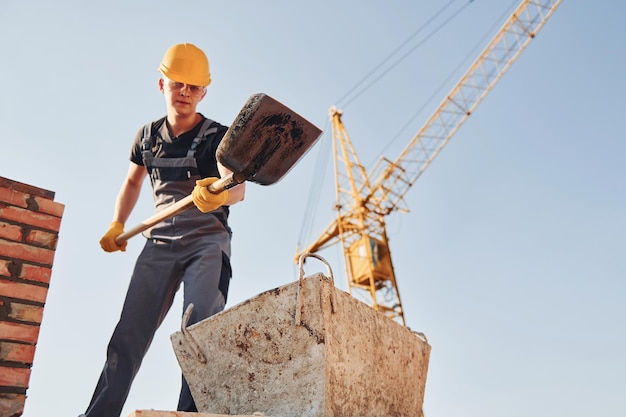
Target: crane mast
[{"x": 362, "y": 205}]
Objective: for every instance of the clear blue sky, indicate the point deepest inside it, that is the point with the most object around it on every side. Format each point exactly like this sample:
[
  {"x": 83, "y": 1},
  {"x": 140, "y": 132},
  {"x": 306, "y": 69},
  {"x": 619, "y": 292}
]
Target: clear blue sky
[{"x": 511, "y": 260}]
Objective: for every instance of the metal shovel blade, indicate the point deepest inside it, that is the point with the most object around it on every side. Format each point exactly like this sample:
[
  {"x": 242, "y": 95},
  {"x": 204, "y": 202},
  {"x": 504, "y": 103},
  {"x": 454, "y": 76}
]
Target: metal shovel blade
[{"x": 266, "y": 140}]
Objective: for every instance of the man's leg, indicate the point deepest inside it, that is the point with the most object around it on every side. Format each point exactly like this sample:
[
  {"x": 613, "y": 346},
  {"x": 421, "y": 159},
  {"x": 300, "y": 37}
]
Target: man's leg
[
  {"x": 206, "y": 286},
  {"x": 150, "y": 294}
]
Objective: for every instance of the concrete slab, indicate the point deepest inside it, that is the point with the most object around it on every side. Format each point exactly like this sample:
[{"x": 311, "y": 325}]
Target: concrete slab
[{"x": 305, "y": 349}]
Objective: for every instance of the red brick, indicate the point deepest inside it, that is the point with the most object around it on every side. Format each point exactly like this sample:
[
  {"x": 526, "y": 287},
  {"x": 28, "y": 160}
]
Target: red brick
[
  {"x": 25, "y": 312},
  {"x": 18, "y": 332},
  {"x": 10, "y": 231},
  {"x": 32, "y": 201},
  {"x": 13, "y": 197},
  {"x": 32, "y": 218},
  {"x": 17, "y": 352},
  {"x": 41, "y": 238},
  {"x": 14, "y": 377},
  {"x": 34, "y": 273},
  {"x": 50, "y": 207},
  {"x": 23, "y": 291},
  {"x": 12, "y": 404},
  {"x": 4, "y": 268},
  {"x": 25, "y": 252},
  {"x": 25, "y": 188}
]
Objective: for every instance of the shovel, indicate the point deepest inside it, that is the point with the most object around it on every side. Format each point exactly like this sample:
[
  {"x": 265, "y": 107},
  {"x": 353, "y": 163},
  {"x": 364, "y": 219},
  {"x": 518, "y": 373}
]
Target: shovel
[{"x": 262, "y": 145}]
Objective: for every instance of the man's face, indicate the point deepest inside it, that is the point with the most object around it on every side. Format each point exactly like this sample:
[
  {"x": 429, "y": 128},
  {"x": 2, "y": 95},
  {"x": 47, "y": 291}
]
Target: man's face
[{"x": 180, "y": 97}]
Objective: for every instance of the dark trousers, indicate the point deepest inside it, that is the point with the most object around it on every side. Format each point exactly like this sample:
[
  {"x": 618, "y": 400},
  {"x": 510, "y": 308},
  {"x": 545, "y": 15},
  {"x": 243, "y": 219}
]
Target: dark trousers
[{"x": 204, "y": 270}]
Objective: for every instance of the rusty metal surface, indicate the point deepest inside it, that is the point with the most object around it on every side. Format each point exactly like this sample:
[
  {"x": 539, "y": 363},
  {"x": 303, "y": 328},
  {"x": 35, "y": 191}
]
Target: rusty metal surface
[
  {"x": 335, "y": 356},
  {"x": 266, "y": 140}
]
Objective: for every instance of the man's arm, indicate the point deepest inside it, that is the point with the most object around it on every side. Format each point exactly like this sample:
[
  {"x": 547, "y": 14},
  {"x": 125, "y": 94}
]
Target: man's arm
[
  {"x": 129, "y": 192},
  {"x": 124, "y": 204}
]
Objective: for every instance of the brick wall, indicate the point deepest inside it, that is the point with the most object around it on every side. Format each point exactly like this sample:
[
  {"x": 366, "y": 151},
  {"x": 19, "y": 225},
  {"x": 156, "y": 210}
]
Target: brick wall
[{"x": 29, "y": 228}]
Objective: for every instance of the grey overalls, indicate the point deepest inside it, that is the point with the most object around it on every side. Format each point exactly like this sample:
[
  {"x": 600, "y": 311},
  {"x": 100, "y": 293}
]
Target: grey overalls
[{"x": 191, "y": 247}]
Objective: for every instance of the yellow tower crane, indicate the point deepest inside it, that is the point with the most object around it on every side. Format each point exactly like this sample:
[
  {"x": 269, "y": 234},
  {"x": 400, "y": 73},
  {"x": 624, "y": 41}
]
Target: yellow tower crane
[{"x": 362, "y": 204}]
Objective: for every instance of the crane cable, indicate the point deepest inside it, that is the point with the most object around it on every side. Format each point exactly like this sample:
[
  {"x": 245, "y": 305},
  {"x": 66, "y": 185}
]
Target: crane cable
[
  {"x": 403, "y": 57},
  {"x": 456, "y": 70},
  {"x": 322, "y": 157},
  {"x": 315, "y": 192}
]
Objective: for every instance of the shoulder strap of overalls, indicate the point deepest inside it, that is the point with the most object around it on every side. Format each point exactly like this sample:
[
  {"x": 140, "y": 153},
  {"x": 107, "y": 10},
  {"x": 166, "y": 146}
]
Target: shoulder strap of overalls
[
  {"x": 147, "y": 138},
  {"x": 203, "y": 133},
  {"x": 146, "y": 147}
]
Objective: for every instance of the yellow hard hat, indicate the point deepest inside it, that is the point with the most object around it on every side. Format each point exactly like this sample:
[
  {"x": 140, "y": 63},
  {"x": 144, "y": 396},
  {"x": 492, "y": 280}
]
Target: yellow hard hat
[{"x": 186, "y": 63}]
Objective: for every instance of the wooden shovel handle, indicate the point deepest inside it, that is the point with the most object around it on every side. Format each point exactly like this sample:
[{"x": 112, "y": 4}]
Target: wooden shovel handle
[{"x": 186, "y": 203}]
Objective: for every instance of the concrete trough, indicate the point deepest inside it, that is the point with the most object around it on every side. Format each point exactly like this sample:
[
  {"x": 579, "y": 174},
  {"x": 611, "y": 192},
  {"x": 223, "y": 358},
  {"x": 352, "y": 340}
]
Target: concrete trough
[
  {"x": 304, "y": 349},
  {"x": 158, "y": 413}
]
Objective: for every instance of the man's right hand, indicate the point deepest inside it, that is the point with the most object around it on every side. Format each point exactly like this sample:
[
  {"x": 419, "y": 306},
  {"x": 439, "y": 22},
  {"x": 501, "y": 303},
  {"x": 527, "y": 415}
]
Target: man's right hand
[{"x": 108, "y": 240}]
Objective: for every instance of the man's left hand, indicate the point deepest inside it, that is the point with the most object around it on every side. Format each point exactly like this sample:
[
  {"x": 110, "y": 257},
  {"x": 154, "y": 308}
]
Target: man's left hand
[{"x": 204, "y": 199}]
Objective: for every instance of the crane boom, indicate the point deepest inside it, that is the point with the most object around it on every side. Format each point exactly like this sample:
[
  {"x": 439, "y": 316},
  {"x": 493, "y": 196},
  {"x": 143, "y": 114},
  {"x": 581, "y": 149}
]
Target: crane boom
[
  {"x": 363, "y": 204},
  {"x": 398, "y": 176}
]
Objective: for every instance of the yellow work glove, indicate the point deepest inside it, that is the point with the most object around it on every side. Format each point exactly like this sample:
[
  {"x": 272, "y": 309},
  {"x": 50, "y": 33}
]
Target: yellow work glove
[
  {"x": 108, "y": 240},
  {"x": 204, "y": 199}
]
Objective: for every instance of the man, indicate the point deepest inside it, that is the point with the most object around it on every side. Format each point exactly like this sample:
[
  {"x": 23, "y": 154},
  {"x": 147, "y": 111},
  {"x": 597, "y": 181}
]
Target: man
[{"x": 177, "y": 152}]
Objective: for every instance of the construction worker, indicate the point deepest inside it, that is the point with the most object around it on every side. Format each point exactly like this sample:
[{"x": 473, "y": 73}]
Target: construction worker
[{"x": 177, "y": 152}]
